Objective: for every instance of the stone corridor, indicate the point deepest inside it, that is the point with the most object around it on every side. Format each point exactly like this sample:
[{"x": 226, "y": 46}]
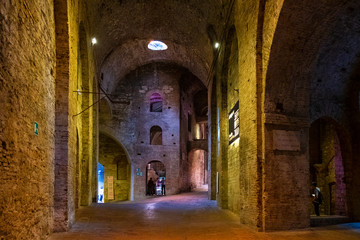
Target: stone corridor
[{"x": 179, "y": 217}]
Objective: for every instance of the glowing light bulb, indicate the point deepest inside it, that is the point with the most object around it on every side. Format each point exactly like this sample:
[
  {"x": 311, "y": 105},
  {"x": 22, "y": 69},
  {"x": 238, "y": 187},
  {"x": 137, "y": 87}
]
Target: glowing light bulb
[
  {"x": 93, "y": 41},
  {"x": 217, "y": 45}
]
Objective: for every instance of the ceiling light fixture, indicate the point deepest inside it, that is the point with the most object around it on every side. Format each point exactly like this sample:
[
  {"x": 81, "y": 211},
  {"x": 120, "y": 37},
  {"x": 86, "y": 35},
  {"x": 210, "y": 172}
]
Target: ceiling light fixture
[
  {"x": 93, "y": 41},
  {"x": 157, "y": 46},
  {"x": 216, "y": 45}
]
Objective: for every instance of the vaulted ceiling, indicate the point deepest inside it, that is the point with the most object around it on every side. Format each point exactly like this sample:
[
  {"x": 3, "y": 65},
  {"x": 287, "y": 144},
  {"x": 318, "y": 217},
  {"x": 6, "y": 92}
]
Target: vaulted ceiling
[{"x": 123, "y": 29}]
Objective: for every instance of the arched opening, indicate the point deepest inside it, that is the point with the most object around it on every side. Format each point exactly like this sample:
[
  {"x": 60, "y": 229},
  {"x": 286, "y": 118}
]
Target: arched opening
[
  {"x": 116, "y": 170},
  {"x": 156, "y": 102},
  {"x": 155, "y": 178},
  {"x": 100, "y": 187},
  {"x": 155, "y": 135},
  {"x": 198, "y": 165},
  {"x": 327, "y": 167}
]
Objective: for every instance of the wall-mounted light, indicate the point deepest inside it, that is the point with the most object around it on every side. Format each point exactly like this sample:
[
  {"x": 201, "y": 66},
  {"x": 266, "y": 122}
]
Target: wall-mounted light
[
  {"x": 217, "y": 45},
  {"x": 93, "y": 41},
  {"x": 78, "y": 91}
]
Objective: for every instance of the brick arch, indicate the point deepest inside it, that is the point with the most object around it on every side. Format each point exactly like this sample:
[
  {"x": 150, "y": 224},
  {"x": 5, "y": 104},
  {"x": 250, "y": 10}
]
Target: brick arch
[
  {"x": 308, "y": 43},
  {"x": 198, "y": 167},
  {"x": 109, "y": 135},
  {"x": 329, "y": 145},
  {"x": 296, "y": 47},
  {"x": 115, "y": 159},
  {"x": 114, "y": 67}
]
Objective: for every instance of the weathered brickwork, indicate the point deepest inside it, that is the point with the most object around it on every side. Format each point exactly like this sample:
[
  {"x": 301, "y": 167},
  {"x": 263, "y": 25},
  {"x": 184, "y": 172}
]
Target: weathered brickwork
[
  {"x": 318, "y": 85},
  {"x": 289, "y": 64},
  {"x": 75, "y": 164},
  {"x": 27, "y": 75},
  {"x": 132, "y": 121},
  {"x": 237, "y": 163}
]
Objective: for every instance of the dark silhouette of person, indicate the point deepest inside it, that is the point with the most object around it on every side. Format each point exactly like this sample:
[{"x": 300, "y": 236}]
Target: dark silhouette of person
[
  {"x": 150, "y": 186},
  {"x": 163, "y": 191},
  {"x": 316, "y": 199}
]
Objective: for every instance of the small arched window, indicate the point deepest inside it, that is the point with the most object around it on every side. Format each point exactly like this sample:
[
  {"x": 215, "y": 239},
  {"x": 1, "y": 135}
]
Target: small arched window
[
  {"x": 156, "y": 135},
  {"x": 156, "y": 102}
]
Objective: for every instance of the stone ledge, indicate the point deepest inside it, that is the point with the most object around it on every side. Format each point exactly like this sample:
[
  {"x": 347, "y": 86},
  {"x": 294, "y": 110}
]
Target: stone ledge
[
  {"x": 317, "y": 221},
  {"x": 282, "y": 119}
]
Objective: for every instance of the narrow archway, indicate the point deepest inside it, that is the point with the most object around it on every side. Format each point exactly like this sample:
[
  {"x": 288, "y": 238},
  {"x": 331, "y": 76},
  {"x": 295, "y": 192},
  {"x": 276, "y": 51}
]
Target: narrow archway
[
  {"x": 155, "y": 178},
  {"x": 198, "y": 166},
  {"x": 100, "y": 185},
  {"x": 116, "y": 171},
  {"x": 327, "y": 166}
]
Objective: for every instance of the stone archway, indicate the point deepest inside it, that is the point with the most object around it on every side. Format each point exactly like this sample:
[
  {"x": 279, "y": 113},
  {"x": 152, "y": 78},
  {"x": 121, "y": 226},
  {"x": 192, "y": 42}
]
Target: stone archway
[
  {"x": 198, "y": 167},
  {"x": 117, "y": 169},
  {"x": 310, "y": 68},
  {"x": 327, "y": 166},
  {"x": 155, "y": 178}
]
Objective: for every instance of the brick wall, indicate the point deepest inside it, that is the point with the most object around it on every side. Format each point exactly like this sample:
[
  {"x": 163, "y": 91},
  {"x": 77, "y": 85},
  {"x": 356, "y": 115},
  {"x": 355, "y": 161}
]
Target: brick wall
[
  {"x": 27, "y": 95},
  {"x": 132, "y": 120},
  {"x": 75, "y": 162}
]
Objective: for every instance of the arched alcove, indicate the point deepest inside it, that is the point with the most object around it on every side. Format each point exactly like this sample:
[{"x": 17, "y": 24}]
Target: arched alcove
[
  {"x": 155, "y": 135},
  {"x": 117, "y": 169},
  {"x": 327, "y": 166},
  {"x": 198, "y": 167}
]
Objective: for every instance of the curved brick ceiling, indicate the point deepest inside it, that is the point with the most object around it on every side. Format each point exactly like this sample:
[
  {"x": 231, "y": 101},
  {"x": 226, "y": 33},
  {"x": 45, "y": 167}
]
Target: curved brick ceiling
[{"x": 123, "y": 29}]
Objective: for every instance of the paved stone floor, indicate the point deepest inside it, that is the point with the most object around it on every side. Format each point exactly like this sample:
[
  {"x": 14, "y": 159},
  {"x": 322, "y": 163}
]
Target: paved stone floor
[{"x": 184, "y": 217}]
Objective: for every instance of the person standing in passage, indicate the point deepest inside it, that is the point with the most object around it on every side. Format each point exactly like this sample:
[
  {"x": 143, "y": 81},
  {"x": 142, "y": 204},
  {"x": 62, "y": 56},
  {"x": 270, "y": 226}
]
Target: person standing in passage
[
  {"x": 157, "y": 186},
  {"x": 316, "y": 198},
  {"x": 151, "y": 187},
  {"x": 163, "y": 191}
]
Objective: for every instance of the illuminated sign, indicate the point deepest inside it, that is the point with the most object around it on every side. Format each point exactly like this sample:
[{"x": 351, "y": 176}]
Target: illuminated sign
[{"x": 234, "y": 123}]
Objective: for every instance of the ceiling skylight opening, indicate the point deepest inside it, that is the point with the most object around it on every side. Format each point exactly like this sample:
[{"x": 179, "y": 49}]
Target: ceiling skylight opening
[{"x": 157, "y": 46}]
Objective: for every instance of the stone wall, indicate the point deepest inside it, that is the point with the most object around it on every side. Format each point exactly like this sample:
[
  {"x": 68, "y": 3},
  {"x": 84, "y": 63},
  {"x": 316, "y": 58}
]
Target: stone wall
[
  {"x": 27, "y": 95},
  {"x": 76, "y": 129},
  {"x": 132, "y": 120},
  {"x": 237, "y": 163}
]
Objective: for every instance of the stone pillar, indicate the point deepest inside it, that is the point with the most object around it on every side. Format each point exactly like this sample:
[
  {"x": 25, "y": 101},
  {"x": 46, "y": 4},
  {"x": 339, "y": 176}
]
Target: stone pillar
[{"x": 286, "y": 173}]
